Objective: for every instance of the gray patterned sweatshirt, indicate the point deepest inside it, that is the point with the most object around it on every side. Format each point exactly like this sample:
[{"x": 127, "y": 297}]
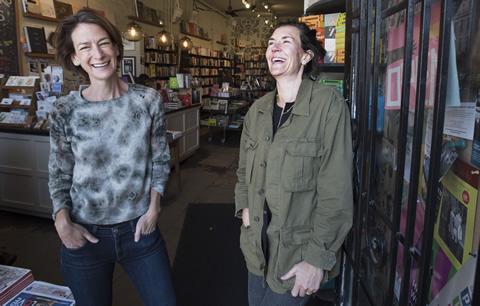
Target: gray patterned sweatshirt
[{"x": 106, "y": 156}]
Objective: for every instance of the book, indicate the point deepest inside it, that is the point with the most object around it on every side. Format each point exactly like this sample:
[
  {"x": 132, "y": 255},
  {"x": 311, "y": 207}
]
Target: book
[
  {"x": 35, "y": 39},
  {"x": 43, "y": 293},
  {"x": 48, "y": 8},
  {"x": 12, "y": 81},
  {"x": 49, "y": 34},
  {"x": 62, "y": 9},
  {"x": 13, "y": 280},
  {"x": 32, "y": 6}
]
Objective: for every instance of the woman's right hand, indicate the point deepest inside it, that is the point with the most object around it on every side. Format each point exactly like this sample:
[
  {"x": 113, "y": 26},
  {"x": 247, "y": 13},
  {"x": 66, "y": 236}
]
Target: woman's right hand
[
  {"x": 73, "y": 235},
  {"x": 245, "y": 217}
]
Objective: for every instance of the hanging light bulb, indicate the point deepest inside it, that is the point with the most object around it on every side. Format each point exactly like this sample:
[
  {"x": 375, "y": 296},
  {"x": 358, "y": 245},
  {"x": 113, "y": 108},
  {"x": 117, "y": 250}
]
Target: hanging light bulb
[
  {"x": 164, "y": 38},
  {"x": 266, "y": 5},
  {"x": 247, "y": 5},
  {"x": 258, "y": 15},
  {"x": 186, "y": 43},
  {"x": 132, "y": 31},
  {"x": 267, "y": 21}
]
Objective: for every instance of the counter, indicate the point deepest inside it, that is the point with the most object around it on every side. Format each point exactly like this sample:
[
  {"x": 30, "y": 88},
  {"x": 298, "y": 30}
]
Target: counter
[{"x": 24, "y": 161}]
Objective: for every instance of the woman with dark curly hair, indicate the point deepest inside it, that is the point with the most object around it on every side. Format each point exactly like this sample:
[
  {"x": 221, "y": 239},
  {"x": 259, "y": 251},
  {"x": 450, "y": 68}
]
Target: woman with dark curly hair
[{"x": 294, "y": 190}]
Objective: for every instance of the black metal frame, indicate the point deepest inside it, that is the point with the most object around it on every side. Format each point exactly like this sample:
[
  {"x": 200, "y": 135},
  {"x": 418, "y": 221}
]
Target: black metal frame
[{"x": 361, "y": 74}]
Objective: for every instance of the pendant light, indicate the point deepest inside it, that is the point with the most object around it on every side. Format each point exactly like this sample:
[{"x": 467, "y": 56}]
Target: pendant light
[
  {"x": 186, "y": 43},
  {"x": 164, "y": 39},
  {"x": 133, "y": 31}
]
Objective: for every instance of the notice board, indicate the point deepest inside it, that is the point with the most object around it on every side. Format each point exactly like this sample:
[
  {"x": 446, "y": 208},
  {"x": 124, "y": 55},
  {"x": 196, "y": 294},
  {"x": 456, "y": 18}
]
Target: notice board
[{"x": 9, "y": 50}]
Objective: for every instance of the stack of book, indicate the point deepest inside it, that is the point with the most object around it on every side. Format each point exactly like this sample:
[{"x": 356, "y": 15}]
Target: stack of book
[
  {"x": 18, "y": 287},
  {"x": 42, "y": 293},
  {"x": 12, "y": 281}
]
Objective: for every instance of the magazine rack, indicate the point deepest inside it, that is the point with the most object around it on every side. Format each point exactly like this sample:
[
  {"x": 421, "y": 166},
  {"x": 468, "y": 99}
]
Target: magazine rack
[{"x": 30, "y": 90}]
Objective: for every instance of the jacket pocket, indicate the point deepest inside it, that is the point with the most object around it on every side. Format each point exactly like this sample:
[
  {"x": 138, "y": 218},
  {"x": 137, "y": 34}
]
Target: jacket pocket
[
  {"x": 250, "y": 149},
  {"x": 251, "y": 249},
  {"x": 301, "y": 164},
  {"x": 291, "y": 250}
]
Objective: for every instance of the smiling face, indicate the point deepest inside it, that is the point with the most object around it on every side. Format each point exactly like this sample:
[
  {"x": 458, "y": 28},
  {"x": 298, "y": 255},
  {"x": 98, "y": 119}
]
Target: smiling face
[
  {"x": 285, "y": 54},
  {"x": 94, "y": 51}
]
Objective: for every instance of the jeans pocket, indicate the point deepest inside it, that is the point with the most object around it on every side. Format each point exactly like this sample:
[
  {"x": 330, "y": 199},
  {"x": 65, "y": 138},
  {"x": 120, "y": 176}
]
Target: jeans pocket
[{"x": 80, "y": 248}]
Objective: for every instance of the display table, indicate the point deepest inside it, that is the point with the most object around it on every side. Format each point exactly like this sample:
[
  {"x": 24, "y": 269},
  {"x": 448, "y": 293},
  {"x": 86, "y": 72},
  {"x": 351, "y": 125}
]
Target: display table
[{"x": 24, "y": 161}]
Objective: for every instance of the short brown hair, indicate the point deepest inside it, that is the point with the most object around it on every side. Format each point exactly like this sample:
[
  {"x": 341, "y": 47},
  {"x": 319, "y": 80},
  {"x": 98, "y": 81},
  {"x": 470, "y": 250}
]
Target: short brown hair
[{"x": 63, "y": 37}]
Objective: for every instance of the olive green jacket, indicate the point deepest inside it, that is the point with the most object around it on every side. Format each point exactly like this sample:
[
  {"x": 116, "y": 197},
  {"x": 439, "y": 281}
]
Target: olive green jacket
[{"x": 305, "y": 174}]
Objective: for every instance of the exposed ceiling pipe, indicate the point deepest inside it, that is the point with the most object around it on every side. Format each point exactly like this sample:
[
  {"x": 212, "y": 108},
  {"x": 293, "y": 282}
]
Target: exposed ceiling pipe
[{"x": 215, "y": 9}]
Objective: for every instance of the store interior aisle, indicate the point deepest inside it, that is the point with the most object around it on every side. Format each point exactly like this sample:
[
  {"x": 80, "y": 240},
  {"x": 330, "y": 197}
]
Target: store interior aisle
[{"x": 208, "y": 176}]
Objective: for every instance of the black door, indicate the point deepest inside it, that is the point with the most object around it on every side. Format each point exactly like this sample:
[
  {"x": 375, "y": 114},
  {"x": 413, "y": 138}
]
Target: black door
[{"x": 398, "y": 75}]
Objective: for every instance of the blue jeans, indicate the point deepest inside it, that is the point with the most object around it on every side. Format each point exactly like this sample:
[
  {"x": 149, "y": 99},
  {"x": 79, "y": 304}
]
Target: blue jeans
[
  {"x": 88, "y": 270},
  {"x": 260, "y": 296}
]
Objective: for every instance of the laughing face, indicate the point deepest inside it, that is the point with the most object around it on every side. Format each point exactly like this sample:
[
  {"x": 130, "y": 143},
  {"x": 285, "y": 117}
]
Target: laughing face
[
  {"x": 285, "y": 55},
  {"x": 94, "y": 51}
]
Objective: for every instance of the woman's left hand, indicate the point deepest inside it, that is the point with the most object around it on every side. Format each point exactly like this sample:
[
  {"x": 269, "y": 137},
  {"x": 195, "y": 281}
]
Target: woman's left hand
[
  {"x": 307, "y": 278},
  {"x": 146, "y": 224}
]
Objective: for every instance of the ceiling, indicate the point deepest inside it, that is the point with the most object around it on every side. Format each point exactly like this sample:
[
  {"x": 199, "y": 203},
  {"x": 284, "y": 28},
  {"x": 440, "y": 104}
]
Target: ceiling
[{"x": 281, "y": 8}]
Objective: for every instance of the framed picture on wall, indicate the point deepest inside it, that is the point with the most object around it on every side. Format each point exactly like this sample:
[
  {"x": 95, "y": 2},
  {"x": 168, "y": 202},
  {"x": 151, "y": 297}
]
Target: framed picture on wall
[
  {"x": 128, "y": 45},
  {"x": 128, "y": 65}
]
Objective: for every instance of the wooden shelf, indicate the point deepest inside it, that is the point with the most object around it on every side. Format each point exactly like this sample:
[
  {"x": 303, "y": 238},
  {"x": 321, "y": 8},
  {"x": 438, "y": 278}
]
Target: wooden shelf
[
  {"x": 197, "y": 36},
  {"x": 15, "y": 105},
  {"x": 41, "y": 17},
  {"x": 221, "y": 43},
  {"x": 47, "y": 55},
  {"x": 326, "y": 7},
  {"x": 145, "y": 21}
]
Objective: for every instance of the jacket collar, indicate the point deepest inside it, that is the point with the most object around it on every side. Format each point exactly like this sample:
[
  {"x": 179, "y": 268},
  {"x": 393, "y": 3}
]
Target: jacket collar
[{"x": 302, "y": 103}]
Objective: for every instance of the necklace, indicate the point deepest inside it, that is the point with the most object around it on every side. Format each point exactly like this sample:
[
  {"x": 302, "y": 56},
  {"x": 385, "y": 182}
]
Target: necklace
[{"x": 284, "y": 112}]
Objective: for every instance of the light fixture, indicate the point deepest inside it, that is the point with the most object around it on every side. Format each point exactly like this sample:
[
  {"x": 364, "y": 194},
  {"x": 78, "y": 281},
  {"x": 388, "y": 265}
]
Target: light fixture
[
  {"x": 267, "y": 20},
  {"x": 132, "y": 31},
  {"x": 266, "y": 5},
  {"x": 164, "y": 39},
  {"x": 186, "y": 43},
  {"x": 258, "y": 15},
  {"x": 276, "y": 17},
  {"x": 253, "y": 10},
  {"x": 247, "y": 5}
]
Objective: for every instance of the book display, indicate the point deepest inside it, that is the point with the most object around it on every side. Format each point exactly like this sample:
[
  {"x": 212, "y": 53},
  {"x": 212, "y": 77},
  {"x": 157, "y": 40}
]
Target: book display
[
  {"x": 18, "y": 287},
  {"x": 226, "y": 110},
  {"x": 331, "y": 31},
  {"x": 18, "y": 101}
]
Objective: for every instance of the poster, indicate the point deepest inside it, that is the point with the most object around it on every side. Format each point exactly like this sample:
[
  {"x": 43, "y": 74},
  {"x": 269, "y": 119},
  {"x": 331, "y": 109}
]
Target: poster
[
  {"x": 395, "y": 46},
  {"x": 456, "y": 217}
]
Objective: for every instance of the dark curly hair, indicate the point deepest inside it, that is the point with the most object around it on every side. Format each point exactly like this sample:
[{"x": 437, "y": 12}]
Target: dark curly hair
[
  {"x": 63, "y": 38},
  {"x": 308, "y": 38}
]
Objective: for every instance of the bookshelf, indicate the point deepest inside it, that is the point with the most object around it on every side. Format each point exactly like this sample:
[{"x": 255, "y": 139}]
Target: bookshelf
[
  {"x": 160, "y": 62},
  {"x": 41, "y": 17},
  {"x": 196, "y": 36},
  {"x": 145, "y": 21},
  {"x": 206, "y": 66}
]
